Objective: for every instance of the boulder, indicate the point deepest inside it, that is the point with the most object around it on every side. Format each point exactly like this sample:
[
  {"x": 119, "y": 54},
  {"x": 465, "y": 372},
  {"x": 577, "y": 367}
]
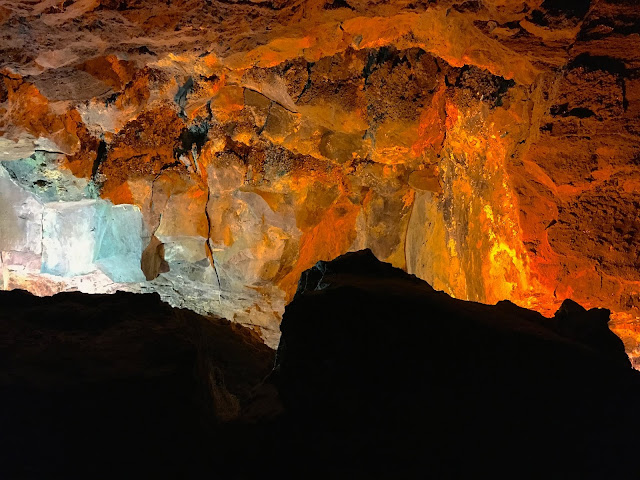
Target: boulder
[
  {"x": 83, "y": 236},
  {"x": 380, "y": 373},
  {"x": 122, "y": 385}
]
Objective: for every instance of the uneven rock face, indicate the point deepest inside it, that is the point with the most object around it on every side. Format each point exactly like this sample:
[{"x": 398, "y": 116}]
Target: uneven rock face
[
  {"x": 488, "y": 147},
  {"x": 377, "y": 375},
  {"x": 380, "y": 373},
  {"x": 119, "y": 385}
]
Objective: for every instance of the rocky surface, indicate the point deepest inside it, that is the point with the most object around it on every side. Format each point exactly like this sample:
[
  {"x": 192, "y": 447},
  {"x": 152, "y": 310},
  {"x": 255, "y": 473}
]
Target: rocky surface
[
  {"x": 488, "y": 147},
  {"x": 376, "y": 375},
  {"x": 119, "y": 385},
  {"x": 380, "y": 373}
]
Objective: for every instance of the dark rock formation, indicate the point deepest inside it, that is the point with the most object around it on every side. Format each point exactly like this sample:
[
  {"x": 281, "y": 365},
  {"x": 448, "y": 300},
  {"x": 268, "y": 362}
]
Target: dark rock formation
[
  {"x": 118, "y": 386},
  {"x": 402, "y": 379},
  {"x": 490, "y": 148},
  {"x": 379, "y": 375}
]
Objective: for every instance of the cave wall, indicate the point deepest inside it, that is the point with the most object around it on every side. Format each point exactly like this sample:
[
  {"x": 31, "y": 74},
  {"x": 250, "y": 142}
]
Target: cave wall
[{"x": 489, "y": 147}]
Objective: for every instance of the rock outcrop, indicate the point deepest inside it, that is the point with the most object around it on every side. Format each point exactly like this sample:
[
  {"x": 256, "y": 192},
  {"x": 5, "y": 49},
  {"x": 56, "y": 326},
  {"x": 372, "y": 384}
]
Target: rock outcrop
[
  {"x": 489, "y": 147},
  {"x": 120, "y": 385},
  {"x": 380, "y": 373},
  {"x": 376, "y": 375}
]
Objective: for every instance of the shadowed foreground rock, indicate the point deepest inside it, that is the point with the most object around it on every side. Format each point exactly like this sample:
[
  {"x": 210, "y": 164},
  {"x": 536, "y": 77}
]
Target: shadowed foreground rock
[
  {"x": 118, "y": 386},
  {"x": 379, "y": 375},
  {"x": 379, "y": 372}
]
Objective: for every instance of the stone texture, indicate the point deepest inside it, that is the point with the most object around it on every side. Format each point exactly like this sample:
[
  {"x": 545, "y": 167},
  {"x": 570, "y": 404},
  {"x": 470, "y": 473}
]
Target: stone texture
[
  {"x": 69, "y": 238},
  {"x": 119, "y": 240},
  {"x": 120, "y": 384},
  {"x": 83, "y": 236},
  {"x": 377, "y": 375},
  {"x": 382, "y": 375},
  {"x": 486, "y": 146},
  {"x": 41, "y": 175},
  {"x": 20, "y": 218}
]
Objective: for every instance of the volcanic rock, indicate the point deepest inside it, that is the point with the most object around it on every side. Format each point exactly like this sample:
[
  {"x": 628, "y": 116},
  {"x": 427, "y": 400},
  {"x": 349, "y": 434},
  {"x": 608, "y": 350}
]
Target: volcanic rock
[
  {"x": 402, "y": 380},
  {"x": 376, "y": 375},
  {"x": 119, "y": 385},
  {"x": 488, "y": 147}
]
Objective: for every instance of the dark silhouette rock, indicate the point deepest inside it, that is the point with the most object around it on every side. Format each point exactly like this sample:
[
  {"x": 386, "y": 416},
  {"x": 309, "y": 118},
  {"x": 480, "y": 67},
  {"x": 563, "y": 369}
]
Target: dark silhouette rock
[
  {"x": 381, "y": 373},
  {"x": 118, "y": 386},
  {"x": 591, "y": 328},
  {"x": 377, "y": 376}
]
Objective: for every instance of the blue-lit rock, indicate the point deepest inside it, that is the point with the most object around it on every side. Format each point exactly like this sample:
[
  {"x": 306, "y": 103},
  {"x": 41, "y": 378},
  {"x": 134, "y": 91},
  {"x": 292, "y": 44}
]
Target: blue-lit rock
[
  {"x": 41, "y": 175},
  {"x": 119, "y": 244},
  {"x": 68, "y": 238},
  {"x": 20, "y": 218},
  {"x": 83, "y": 236}
]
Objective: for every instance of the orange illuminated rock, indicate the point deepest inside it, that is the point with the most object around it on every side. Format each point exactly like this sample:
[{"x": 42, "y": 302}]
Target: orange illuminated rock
[
  {"x": 29, "y": 112},
  {"x": 490, "y": 147}
]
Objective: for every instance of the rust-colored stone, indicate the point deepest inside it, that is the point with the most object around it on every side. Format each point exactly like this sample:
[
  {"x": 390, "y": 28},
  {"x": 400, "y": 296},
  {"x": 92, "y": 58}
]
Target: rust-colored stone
[{"x": 490, "y": 147}]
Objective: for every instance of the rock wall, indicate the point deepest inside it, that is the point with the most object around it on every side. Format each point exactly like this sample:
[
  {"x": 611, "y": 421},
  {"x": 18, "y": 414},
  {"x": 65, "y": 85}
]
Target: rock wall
[
  {"x": 121, "y": 385},
  {"x": 489, "y": 147},
  {"x": 380, "y": 373}
]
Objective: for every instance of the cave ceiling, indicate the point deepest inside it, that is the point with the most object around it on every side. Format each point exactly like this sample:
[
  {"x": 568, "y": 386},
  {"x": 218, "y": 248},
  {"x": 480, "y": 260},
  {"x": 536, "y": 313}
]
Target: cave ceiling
[{"x": 211, "y": 151}]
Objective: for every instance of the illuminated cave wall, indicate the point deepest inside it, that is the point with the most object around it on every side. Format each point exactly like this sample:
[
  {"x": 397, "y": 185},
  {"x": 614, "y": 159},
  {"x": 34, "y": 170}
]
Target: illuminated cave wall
[{"x": 212, "y": 151}]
